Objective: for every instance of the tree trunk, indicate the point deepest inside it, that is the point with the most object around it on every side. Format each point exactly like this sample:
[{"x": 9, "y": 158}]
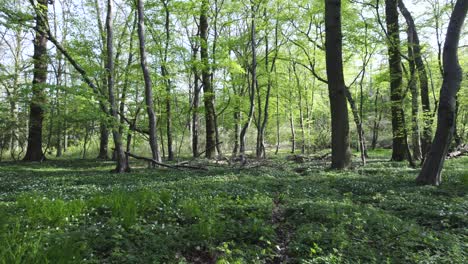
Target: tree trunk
[
  {"x": 301, "y": 115},
  {"x": 208, "y": 92},
  {"x": 153, "y": 140},
  {"x": 423, "y": 81},
  {"x": 293, "y": 130},
  {"x": 415, "y": 137},
  {"x": 103, "y": 141},
  {"x": 252, "y": 84},
  {"x": 432, "y": 168},
  {"x": 168, "y": 83},
  {"x": 357, "y": 121},
  {"x": 36, "y": 115},
  {"x": 195, "y": 103},
  {"x": 341, "y": 155},
  {"x": 377, "y": 119},
  {"x": 122, "y": 164},
  {"x": 399, "y": 147}
]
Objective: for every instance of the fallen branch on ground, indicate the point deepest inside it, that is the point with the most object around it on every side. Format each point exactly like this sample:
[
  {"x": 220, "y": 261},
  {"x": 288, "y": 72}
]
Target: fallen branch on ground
[{"x": 176, "y": 167}]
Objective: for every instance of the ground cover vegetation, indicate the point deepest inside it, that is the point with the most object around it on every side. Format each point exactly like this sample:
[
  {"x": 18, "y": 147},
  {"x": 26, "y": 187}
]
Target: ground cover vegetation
[
  {"x": 76, "y": 212},
  {"x": 225, "y": 131}
]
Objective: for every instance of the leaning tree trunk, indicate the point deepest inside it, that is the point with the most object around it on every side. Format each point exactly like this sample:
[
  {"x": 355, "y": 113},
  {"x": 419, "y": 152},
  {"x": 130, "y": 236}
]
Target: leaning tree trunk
[
  {"x": 208, "y": 92},
  {"x": 426, "y": 137},
  {"x": 148, "y": 85},
  {"x": 399, "y": 148},
  {"x": 36, "y": 115},
  {"x": 432, "y": 168},
  {"x": 341, "y": 155}
]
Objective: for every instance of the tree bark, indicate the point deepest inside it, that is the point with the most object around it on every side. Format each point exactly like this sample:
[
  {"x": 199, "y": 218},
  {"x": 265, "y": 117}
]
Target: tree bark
[
  {"x": 208, "y": 92},
  {"x": 195, "y": 102},
  {"x": 253, "y": 83},
  {"x": 121, "y": 158},
  {"x": 415, "y": 137},
  {"x": 167, "y": 81},
  {"x": 341, "y": 155},
  {"x": 399, "y": 148},
  {"x": 103, "y": 126},
  {"x": 36, "y": 115},
  {"x": 433, "y": 164},
  {"x": 423, "y": 80},
  {"x": 153, "y": 140}
]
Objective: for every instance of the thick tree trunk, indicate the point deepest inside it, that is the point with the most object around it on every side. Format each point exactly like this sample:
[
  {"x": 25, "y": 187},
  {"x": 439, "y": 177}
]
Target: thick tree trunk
[
  {"x": 399, "y": 148},
  {"x": 38, "y": 100},
  {"x": 208, "y": 92},
  {"x": 432, "y": 168},
  {"x": 103, "y": 141},
  {"x": 341, "y": 155},
  {"x": 423, "y": 81},
  {"x": 148, "y": 85},
  {"x": 122, "y": 164}
]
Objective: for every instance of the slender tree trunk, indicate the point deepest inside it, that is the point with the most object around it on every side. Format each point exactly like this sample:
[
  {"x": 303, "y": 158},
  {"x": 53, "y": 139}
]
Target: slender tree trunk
[
  {"x": 208, "y": 92},
  {"x": 195, "y": 103},
  {"x": 423, "y": 81},
  {"x": 167, "y": 81},
  {"x": 253, "y": 84},
  {"x": 433, "y": 164},
  {"x": 148, "y": 85},
  {"x": 261, "y": 151},
  {"x": 301, "y": 114},
  {"x": 415, "y": 137},
  {"x": 36, "y": 115},
  {"x": 341, "y": 155},
  {"x": 278, "y": 136},
  {"x": 357, "y": 121},
  {"x": 122, "y": 164},
  {"x": 293, "y": 130},
  {"x": 399, "y": 152}
]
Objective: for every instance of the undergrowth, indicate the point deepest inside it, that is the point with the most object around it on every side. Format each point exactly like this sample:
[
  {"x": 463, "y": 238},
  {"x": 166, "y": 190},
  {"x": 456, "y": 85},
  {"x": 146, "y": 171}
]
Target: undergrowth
[{"x": 78, "y": 212}]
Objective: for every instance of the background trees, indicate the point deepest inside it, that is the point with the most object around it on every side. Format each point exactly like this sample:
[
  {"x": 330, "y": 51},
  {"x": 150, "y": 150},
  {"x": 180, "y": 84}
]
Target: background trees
[{"x": 258, "y": 66}]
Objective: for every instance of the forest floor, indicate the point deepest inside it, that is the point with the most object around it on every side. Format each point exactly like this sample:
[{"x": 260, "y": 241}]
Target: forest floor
[{"x": 64, "y": 211}]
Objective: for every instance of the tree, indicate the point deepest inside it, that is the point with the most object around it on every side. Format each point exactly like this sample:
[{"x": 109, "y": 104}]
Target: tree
[
  {"x": 122, "y": 160},
  {"x": 341, "y": 156},
  {"x": 433, "y": 164},
  {"x": 399, "y": 147},
  {"x": 103, "y": 126},
  {"x": 167, "y": 80},
  {"x": 36, "y": 115},
  {"x": 208, "y": 92},
  {"x": 253, "y": 82},
  {"x": 153, "y": 140},
  {"x": 422, "y": 76}
]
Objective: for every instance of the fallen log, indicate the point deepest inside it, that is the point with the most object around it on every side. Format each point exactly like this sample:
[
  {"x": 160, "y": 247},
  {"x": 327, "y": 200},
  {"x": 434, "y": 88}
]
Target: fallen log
[
  {"x": 176, "y": 167},
  {"x": 459, "y": 151}
]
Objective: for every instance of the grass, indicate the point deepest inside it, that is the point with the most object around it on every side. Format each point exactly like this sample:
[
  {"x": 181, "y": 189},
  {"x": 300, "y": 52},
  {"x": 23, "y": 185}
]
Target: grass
[{"x": 77, "y": 212}]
